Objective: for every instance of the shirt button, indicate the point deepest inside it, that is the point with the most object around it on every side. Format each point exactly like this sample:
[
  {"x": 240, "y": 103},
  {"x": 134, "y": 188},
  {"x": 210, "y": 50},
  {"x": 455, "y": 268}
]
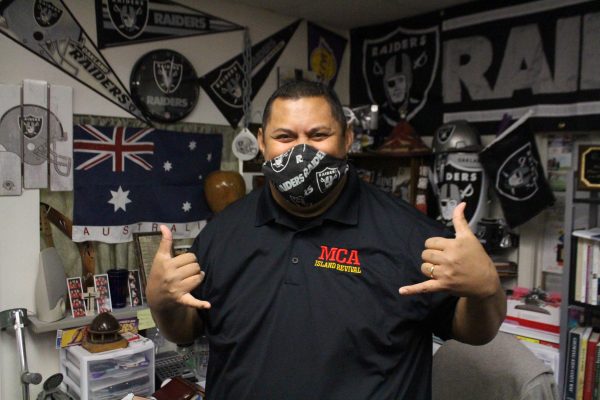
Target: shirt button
[{"x": 295, "y": 260}]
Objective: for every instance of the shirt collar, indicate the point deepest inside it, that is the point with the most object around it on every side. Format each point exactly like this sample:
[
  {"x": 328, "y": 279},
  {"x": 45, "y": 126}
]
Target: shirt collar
[{"x": 344, "y": 210}]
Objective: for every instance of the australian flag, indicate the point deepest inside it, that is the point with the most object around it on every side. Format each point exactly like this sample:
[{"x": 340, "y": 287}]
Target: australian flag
[{"x": 133, "y": 179}]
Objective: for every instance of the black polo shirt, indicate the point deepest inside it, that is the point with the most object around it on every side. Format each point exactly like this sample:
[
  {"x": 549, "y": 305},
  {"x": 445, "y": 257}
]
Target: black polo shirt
[{"x": 310, "y": 309}]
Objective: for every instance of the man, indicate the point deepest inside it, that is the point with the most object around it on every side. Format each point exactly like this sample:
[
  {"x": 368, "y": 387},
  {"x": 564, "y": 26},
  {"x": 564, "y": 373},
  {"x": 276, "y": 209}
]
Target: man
[{"x": 298, "y": 291}]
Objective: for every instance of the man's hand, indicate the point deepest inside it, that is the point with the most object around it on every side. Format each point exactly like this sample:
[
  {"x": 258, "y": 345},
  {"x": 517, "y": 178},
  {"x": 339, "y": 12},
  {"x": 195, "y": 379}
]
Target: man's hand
[
  {"x": 173, "y": 278},
  {"x": 459, "y": 266}
]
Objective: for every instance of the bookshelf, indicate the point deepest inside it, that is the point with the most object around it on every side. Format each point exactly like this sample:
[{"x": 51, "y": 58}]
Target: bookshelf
[{"x": 581, "y": 213}]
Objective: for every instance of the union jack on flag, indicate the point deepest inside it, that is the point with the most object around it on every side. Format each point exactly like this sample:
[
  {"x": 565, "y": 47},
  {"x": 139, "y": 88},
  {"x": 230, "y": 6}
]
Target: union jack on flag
[
  {"x": 114, "y": 146},
  {"x": 133, "y": 179}
]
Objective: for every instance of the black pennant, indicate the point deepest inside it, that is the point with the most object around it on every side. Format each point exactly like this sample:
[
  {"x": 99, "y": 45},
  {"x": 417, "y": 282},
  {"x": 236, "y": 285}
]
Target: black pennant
[
  {"x": 48, "y": 29},
  {"x": 224, "y": 83},
  {"x": 123, "y": 22}
]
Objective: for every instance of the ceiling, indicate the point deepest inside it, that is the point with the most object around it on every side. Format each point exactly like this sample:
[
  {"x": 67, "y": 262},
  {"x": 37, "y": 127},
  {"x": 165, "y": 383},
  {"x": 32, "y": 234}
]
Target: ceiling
[{"x": 347, "y": 14}]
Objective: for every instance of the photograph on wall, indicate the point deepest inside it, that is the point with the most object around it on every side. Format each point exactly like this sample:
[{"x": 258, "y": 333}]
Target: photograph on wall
[
  {"x": 135, "y": 288},
  {"x": 76, "y": 297},
  {"x": 559, "y": 160},
  {"x": 102, "y": 287}
]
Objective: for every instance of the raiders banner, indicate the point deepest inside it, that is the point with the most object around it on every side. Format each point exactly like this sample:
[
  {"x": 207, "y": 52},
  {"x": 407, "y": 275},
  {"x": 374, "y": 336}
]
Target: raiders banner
[
  {"x": 325, "y": 52},
  {"x": 48, "y": 29},
  {"x": 514, "y": 166},
  {"x": 543, "y": 55},
  {"x": 396, "y": 66},
  {"x": 122, "y": 22},
  {"x": 224, "y": 84}
]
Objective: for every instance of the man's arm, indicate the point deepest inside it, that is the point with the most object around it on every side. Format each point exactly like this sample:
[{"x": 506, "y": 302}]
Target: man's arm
[
  {"x": 461, "y": 267},
  {"x": 171, "y": 280}
]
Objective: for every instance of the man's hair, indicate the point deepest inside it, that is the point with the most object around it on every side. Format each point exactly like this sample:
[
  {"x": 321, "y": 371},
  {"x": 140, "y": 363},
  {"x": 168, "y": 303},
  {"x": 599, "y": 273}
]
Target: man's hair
[{"x": 295, "y": 90}]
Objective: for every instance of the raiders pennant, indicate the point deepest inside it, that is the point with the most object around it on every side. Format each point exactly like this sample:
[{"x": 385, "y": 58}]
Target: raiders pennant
[
  {"x": 224, "y": 84},
  {"x": 48, "y": 29},
  {"x": 123, "y": 22}
]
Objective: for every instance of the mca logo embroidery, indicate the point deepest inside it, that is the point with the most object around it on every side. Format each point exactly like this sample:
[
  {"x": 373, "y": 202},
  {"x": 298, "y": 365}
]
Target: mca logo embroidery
[
  {"x": 327, "y": 177},
  {"x": 129, "y": 17},
  {"x": 517, "y": 177},
  {"x": 45, "y": 13},
  {"x": 340, "y": 259},
  {"x": 30, "y": 125},
  {"x": 167, "y": 75}
]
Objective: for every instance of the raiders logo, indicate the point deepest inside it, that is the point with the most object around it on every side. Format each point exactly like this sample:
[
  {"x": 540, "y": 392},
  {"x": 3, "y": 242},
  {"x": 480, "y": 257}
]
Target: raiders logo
[
  {"x": 399, "y": 70},
  {"x": 45, "y": 13},
  {"x": 167, "y": 75},
  {"x": 444, "y": 133},
  {"x": 327, "y": 177},
  {"x": 30, "y": 125},
  {"x": 129, "y": 17},
  {"x": 281, "y": 161},
  {"x": 517, "y": 177},
  {"x": 228, "y": 85}
]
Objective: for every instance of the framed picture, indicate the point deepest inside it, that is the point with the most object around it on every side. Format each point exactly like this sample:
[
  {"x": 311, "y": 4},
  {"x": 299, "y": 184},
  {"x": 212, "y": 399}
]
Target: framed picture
[
  {"x": 146, "y": 245},
  {"x": 135, "y": 288},
  {"x": 76, "y": 297},
  {"x": 102, "y": 287},
  {"x": 588, "y": 175}
]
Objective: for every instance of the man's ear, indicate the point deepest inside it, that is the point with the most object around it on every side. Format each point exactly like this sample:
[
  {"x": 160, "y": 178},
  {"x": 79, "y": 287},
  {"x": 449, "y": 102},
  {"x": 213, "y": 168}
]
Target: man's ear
[
  {"x": 261, "y": 141},
  {"x": 349, "y": 138}
]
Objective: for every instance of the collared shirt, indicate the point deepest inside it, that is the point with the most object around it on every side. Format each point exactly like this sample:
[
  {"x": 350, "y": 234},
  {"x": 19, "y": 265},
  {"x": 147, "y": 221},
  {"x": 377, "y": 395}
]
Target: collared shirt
[{"x": 310, "y": 309}]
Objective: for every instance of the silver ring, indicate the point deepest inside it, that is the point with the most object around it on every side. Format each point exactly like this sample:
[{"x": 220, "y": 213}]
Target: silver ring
[{"x": 431, "y": 269}]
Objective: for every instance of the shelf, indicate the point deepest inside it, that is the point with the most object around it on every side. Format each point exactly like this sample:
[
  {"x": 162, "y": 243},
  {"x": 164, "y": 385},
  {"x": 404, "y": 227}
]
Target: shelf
[
  {"x": 38, "y": 326},
  {"x": 586, "y": 200}
]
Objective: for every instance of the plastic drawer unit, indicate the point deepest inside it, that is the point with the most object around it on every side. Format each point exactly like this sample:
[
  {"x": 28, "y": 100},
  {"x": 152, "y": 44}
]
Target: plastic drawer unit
[{"x": 111, "y": 374}]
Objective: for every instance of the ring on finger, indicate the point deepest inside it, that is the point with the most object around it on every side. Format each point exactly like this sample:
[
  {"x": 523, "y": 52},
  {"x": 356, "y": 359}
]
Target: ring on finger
[{"x": 431, "y": 270}]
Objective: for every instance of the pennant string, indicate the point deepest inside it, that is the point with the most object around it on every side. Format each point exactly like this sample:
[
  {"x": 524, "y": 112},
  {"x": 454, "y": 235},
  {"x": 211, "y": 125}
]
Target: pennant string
[{"x": 246, "y": 85}]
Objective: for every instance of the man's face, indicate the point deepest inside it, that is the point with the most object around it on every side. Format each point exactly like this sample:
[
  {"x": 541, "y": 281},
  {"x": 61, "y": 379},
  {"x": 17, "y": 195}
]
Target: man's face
[
  {"x": 307, "y": 120},
  {"x": 395, "y": 86}
]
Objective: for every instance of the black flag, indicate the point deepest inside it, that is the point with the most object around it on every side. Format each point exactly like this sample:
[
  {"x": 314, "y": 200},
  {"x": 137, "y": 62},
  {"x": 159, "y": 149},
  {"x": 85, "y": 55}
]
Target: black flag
[
  {"x": 513, "y": 164},
  {"x": 224, "y": 83}
]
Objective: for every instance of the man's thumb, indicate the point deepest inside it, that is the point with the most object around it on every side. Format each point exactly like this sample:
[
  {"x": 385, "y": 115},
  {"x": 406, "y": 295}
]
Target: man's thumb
[{"x": 166, "y": 243}]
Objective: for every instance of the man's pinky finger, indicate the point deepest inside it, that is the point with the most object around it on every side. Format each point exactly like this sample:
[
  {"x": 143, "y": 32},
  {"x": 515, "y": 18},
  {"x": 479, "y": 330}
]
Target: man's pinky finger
[{"x": 424, "y": 287}]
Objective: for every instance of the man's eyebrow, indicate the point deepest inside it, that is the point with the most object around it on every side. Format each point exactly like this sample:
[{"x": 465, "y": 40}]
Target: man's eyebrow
[{"x": 283, "y": 130}]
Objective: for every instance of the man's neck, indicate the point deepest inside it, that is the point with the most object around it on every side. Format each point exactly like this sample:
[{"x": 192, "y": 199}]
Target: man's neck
[{"x": 314, "y": 210}]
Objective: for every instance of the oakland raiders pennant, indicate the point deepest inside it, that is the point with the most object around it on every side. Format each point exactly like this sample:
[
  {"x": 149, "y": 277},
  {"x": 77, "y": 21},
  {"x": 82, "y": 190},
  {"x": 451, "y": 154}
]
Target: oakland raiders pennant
[
  {"x": 224, "y": 83},
  {"x": 325, "y": 51},
  {"x": 122, "y": 22},
  {"x": 513, "y": 164},
  {"x": 48, "y": 29}
]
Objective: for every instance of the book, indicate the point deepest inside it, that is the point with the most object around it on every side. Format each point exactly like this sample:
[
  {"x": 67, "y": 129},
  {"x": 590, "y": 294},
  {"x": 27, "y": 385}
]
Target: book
[
  {"x": 583, "y": 342},
  {"x": 590, "y": 366},
  {"x": 596, "y": 394},
  {"x": 573, "y": 340}
]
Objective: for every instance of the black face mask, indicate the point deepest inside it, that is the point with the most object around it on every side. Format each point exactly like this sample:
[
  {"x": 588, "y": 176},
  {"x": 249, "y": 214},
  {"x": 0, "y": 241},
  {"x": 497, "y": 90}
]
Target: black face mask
[{"x": 304, "y": 175}]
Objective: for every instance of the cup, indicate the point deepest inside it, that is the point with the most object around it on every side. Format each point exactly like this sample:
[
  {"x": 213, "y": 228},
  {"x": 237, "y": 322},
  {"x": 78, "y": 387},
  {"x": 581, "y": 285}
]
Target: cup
[{"x": 117, "y": 280}]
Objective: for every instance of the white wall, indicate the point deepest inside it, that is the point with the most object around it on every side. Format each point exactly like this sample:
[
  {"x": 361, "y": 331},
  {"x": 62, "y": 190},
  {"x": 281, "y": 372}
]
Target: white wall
[{"x": 19, "y": 222}]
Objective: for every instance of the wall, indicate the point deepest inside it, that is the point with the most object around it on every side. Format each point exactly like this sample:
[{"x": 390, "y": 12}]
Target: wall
[{"x": 19, "y": 239}]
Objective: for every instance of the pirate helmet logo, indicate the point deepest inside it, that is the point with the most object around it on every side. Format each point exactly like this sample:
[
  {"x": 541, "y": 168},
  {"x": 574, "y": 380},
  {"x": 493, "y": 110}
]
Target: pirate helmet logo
[
  {"x": 129, "y": 17},
  {"x": 281, "y": 161},
  {"x": 45, "y": 13},
  {"x": 30, "y": 125},
  {"x": 517, "y": 177},
  {"x": 167, "y": 75},
  {"x": 228, "y": 85},
  {"x": 327, "y": 177},
  {"x": 399, "y": 70}
]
